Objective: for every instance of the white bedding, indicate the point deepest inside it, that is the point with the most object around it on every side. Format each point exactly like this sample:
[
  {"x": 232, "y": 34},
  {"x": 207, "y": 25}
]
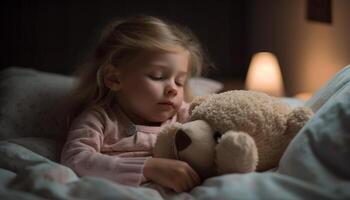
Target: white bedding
[{"x": 314, "y": 166}]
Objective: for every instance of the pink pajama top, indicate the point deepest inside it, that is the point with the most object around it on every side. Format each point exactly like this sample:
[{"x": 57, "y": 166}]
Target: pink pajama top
[{"x": 103, "y": 142}]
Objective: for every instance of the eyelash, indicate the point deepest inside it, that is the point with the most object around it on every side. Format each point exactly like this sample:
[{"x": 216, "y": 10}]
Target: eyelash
[
  {"x": 155, "y": 77},
  {"x": 161, "y": 78},
  {"x": 179, "y": 84}
]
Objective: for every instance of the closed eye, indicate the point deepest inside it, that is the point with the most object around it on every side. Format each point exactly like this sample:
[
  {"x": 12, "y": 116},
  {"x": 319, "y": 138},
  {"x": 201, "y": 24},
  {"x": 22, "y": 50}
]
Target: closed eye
[
  {"x": 153, "y": 77},
  {"x": 179, "y": 83}
]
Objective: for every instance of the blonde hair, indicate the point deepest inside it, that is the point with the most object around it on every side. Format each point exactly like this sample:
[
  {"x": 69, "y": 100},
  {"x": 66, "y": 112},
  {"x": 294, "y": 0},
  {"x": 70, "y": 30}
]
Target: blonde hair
[{"x": 119, "y": 42}]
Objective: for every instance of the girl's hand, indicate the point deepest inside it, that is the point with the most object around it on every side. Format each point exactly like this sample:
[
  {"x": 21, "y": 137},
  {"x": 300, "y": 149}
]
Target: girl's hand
[{"x": 174, "y": 174}]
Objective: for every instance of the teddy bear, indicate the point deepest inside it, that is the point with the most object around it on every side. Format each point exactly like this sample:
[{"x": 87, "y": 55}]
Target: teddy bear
[{"x": 237, "y": 131}]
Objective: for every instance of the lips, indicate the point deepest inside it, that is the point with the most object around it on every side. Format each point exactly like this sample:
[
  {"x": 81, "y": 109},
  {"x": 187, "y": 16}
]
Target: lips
[{"x": 167, "y": 103}]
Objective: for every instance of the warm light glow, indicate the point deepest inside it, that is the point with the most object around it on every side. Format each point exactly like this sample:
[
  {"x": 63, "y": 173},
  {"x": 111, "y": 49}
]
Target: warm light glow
[
  {"x": 264, "y": 74},
  {"x": 303, "y": 96}
]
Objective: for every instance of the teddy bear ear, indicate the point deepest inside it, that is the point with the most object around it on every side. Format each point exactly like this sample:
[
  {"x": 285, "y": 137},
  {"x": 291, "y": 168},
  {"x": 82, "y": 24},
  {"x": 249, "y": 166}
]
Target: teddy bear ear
[
  {"x": 164, "y": 146},
  {"x": 196, "y": 102}
]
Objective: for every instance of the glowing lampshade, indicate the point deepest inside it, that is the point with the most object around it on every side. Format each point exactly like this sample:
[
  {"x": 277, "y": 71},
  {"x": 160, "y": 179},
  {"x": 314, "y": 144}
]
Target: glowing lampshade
[{"x": 264, "y": 74}]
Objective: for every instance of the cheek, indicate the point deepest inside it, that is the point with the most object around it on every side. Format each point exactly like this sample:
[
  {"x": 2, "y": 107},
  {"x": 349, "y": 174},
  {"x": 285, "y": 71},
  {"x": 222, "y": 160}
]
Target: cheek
[
  {"x": 150, "y": 88},
  {"x": 179, "y": 98},
  {"x": 180, "y": 95}
]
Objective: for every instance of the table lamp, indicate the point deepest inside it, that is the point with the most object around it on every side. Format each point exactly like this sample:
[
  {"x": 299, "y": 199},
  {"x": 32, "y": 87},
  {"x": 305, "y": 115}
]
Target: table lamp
[{"x": 264, "y": 74}]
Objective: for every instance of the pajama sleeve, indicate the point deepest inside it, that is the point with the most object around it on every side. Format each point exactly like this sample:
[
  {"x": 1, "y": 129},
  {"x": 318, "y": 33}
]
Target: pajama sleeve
[{"x": 82, "y": 152}]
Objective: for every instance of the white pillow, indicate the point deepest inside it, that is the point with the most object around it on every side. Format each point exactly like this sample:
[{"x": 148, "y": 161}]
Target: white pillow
[
  {"x": 201, "y": 86},
  {"x": 28, "y": 103},
  {"x": 321, "y": 150}
]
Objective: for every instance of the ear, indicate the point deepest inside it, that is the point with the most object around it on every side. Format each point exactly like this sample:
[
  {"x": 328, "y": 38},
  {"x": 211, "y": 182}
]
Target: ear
[{"x": 111, "y": 78}]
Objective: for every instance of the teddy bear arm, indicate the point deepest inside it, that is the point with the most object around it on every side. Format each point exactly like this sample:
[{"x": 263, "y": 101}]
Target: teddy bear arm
[
  {"x": 236, "y": 152},
  {"x": 297, "y": 119}
]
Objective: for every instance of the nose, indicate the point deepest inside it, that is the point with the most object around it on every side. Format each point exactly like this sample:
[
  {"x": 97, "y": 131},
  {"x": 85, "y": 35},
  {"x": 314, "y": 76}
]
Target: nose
[{"x": 171, "y": 90}]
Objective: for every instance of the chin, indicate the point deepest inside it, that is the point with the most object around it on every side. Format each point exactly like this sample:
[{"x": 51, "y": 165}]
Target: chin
[{"x": 162, "y": 118}]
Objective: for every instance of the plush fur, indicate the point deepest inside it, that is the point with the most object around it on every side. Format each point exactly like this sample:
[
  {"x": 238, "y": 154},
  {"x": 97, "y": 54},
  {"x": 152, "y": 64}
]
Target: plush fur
[{"x": 232, "y": 132}]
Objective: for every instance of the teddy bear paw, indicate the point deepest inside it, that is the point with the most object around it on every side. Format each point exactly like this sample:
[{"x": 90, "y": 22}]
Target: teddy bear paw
[{"x": 236, "y": 152}]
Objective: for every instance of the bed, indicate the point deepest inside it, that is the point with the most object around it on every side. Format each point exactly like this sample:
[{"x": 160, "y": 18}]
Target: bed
[{"x": 316, "y": 165}]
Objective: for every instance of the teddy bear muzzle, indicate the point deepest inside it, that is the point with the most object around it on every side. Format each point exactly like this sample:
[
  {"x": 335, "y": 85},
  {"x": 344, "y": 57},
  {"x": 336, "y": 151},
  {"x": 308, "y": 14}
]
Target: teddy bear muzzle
[{"x": 182, "y": 140}]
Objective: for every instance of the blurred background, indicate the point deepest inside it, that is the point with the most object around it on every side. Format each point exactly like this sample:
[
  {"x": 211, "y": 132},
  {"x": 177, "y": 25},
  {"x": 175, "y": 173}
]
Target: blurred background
[{"x": 310, "y": 38}]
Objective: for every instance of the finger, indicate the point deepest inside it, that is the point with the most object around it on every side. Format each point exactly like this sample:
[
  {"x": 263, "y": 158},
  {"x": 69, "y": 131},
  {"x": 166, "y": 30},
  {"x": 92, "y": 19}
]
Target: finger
[
  {"x": 180, "y": 182},
  {"x": 188, "y": 183},
  {"x": 191, "y": 181},
  {"x": 184, "y": 180},
  {"x": 195, "y": 177},
  {"x": 177, "y": 189},
  {"x": 181, "y": 186}
]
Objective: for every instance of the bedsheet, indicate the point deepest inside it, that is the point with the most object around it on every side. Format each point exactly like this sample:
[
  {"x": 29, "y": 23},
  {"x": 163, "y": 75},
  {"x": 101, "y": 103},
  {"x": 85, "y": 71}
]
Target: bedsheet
[{"x": 314, "y": 166}]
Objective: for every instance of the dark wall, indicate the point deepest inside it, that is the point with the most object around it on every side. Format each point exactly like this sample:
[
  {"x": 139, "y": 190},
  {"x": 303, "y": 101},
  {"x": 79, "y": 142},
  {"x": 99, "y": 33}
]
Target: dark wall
[{"x": 54, "y": 36}]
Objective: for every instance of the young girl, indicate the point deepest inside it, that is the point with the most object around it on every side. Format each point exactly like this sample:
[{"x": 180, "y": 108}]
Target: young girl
[{"x": 134, "y": 85}]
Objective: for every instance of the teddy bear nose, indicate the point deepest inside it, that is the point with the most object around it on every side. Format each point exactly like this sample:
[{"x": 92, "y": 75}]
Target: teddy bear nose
[
  {"x": 217, "y": 136},
  {"x": 182, "y": 140}
]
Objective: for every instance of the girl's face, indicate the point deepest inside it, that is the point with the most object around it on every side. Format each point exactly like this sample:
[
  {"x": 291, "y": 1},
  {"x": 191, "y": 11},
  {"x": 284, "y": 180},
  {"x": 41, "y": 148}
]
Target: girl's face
[{"x": 151, "y": 86}]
